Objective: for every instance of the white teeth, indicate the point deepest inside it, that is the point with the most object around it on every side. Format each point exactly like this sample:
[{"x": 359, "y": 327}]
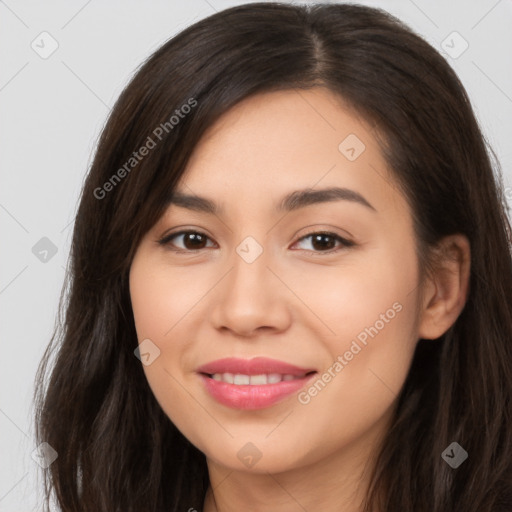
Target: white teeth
[
  {"x": 254, "y": 380},
  {"x": 259, "y": 379},
  {"x": 273, "y": 378},
  {"x": 241, "y": 379}
]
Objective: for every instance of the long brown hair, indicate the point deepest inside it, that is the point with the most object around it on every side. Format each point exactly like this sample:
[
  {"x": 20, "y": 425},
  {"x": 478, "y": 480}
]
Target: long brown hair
[{"x": 117, "y": 450}]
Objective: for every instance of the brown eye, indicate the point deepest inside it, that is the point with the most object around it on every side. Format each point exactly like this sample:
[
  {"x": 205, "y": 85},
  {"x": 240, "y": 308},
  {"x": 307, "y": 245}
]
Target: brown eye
[
  {"x": 190, "y": 240},
  {"x": 325, "y": 242},
  {"x": 321, "y": 241}
]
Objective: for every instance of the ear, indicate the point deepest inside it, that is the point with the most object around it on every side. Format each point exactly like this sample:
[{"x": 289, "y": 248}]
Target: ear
[{"x": 445, "y": 292}]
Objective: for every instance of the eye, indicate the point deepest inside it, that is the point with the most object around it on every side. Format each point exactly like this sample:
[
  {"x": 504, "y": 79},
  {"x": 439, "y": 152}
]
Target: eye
[
  {"x": 191, "y": 240},
  {"x": 324, "y": 242}
]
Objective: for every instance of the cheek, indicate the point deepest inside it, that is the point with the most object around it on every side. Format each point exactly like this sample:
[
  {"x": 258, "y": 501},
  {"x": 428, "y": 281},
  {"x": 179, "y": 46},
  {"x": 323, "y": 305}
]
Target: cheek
[
  {"x": 370, "y": 318},
  {"x": 163, "y": 301},
  {"x": 362, "y": 289},
  {"x": 163, "y": 295},
  {"x": 375, "y": 321},
  {"x": 161, "y": 298},
  {"x": 359, "y": 386}
]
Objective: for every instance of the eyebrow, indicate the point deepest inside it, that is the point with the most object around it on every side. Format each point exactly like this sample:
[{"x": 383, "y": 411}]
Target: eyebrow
[{"x": 293, "y": 201}]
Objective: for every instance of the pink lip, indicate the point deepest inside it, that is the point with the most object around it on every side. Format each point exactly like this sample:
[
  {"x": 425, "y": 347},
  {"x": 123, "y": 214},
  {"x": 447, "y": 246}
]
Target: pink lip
[
  {"x": 255, "y": 366},
  {"x": 250, "y": 397}
]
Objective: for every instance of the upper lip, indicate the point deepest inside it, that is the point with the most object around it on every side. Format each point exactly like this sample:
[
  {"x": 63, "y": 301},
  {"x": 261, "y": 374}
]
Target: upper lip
[{"x": 255, "y": 366}]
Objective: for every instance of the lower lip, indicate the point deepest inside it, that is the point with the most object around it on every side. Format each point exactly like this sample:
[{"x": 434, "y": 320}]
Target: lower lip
[{"x": 252, "y": 397}]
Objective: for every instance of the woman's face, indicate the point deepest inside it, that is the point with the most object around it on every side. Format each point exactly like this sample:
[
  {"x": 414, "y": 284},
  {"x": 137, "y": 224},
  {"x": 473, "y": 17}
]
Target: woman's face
[{"x": 262, "y": 281}]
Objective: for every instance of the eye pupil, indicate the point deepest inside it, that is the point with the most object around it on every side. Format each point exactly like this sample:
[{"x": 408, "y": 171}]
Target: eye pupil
[
  {"x": 320, "y": 238},
  {"x": 196, "y": 238}
]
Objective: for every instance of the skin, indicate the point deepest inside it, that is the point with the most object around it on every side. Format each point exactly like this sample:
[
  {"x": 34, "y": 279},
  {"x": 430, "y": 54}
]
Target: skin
[{"x": 296, "y": 302}]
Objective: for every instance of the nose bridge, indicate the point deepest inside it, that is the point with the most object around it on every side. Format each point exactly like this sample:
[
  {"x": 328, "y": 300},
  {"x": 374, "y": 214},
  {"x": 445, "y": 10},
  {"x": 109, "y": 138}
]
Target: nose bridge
[
  {"x": 249, "y": 250},
  {"x": 249, "y": 267}
]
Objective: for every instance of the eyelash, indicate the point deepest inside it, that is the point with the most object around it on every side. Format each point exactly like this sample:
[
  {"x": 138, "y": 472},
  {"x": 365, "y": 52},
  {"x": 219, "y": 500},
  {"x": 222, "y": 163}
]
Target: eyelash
[{"x": 166, "y": 241}]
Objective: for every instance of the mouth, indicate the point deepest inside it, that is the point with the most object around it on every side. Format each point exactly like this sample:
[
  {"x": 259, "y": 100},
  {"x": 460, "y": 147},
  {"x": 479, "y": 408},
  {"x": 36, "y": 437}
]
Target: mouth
[
  {"x": 239, "y": 379},
  {"x": 252, "y": 383}
]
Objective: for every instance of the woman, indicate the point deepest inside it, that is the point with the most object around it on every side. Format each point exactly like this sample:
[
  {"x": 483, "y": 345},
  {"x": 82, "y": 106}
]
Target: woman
[{"x": 289, "y": 279}]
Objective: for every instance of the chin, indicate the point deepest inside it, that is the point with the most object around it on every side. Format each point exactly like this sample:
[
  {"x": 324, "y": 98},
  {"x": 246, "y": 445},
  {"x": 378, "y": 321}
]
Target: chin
[{"x": 258, "y": 456}]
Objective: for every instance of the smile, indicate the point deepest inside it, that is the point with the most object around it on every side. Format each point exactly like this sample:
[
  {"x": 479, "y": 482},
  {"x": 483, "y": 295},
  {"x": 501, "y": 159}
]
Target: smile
[{"x": 252, "y": 383}]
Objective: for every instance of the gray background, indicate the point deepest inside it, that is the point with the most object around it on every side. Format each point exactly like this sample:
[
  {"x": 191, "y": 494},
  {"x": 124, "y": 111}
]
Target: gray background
[{"x": 53, "y": 109}]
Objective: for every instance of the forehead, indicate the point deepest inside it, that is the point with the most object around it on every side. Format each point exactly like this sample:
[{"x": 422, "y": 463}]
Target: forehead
[{"x": 273, "y": 143}]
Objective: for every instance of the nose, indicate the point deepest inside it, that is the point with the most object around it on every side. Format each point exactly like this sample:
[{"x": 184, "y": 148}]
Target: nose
[{"x": 251, "y": 299}]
